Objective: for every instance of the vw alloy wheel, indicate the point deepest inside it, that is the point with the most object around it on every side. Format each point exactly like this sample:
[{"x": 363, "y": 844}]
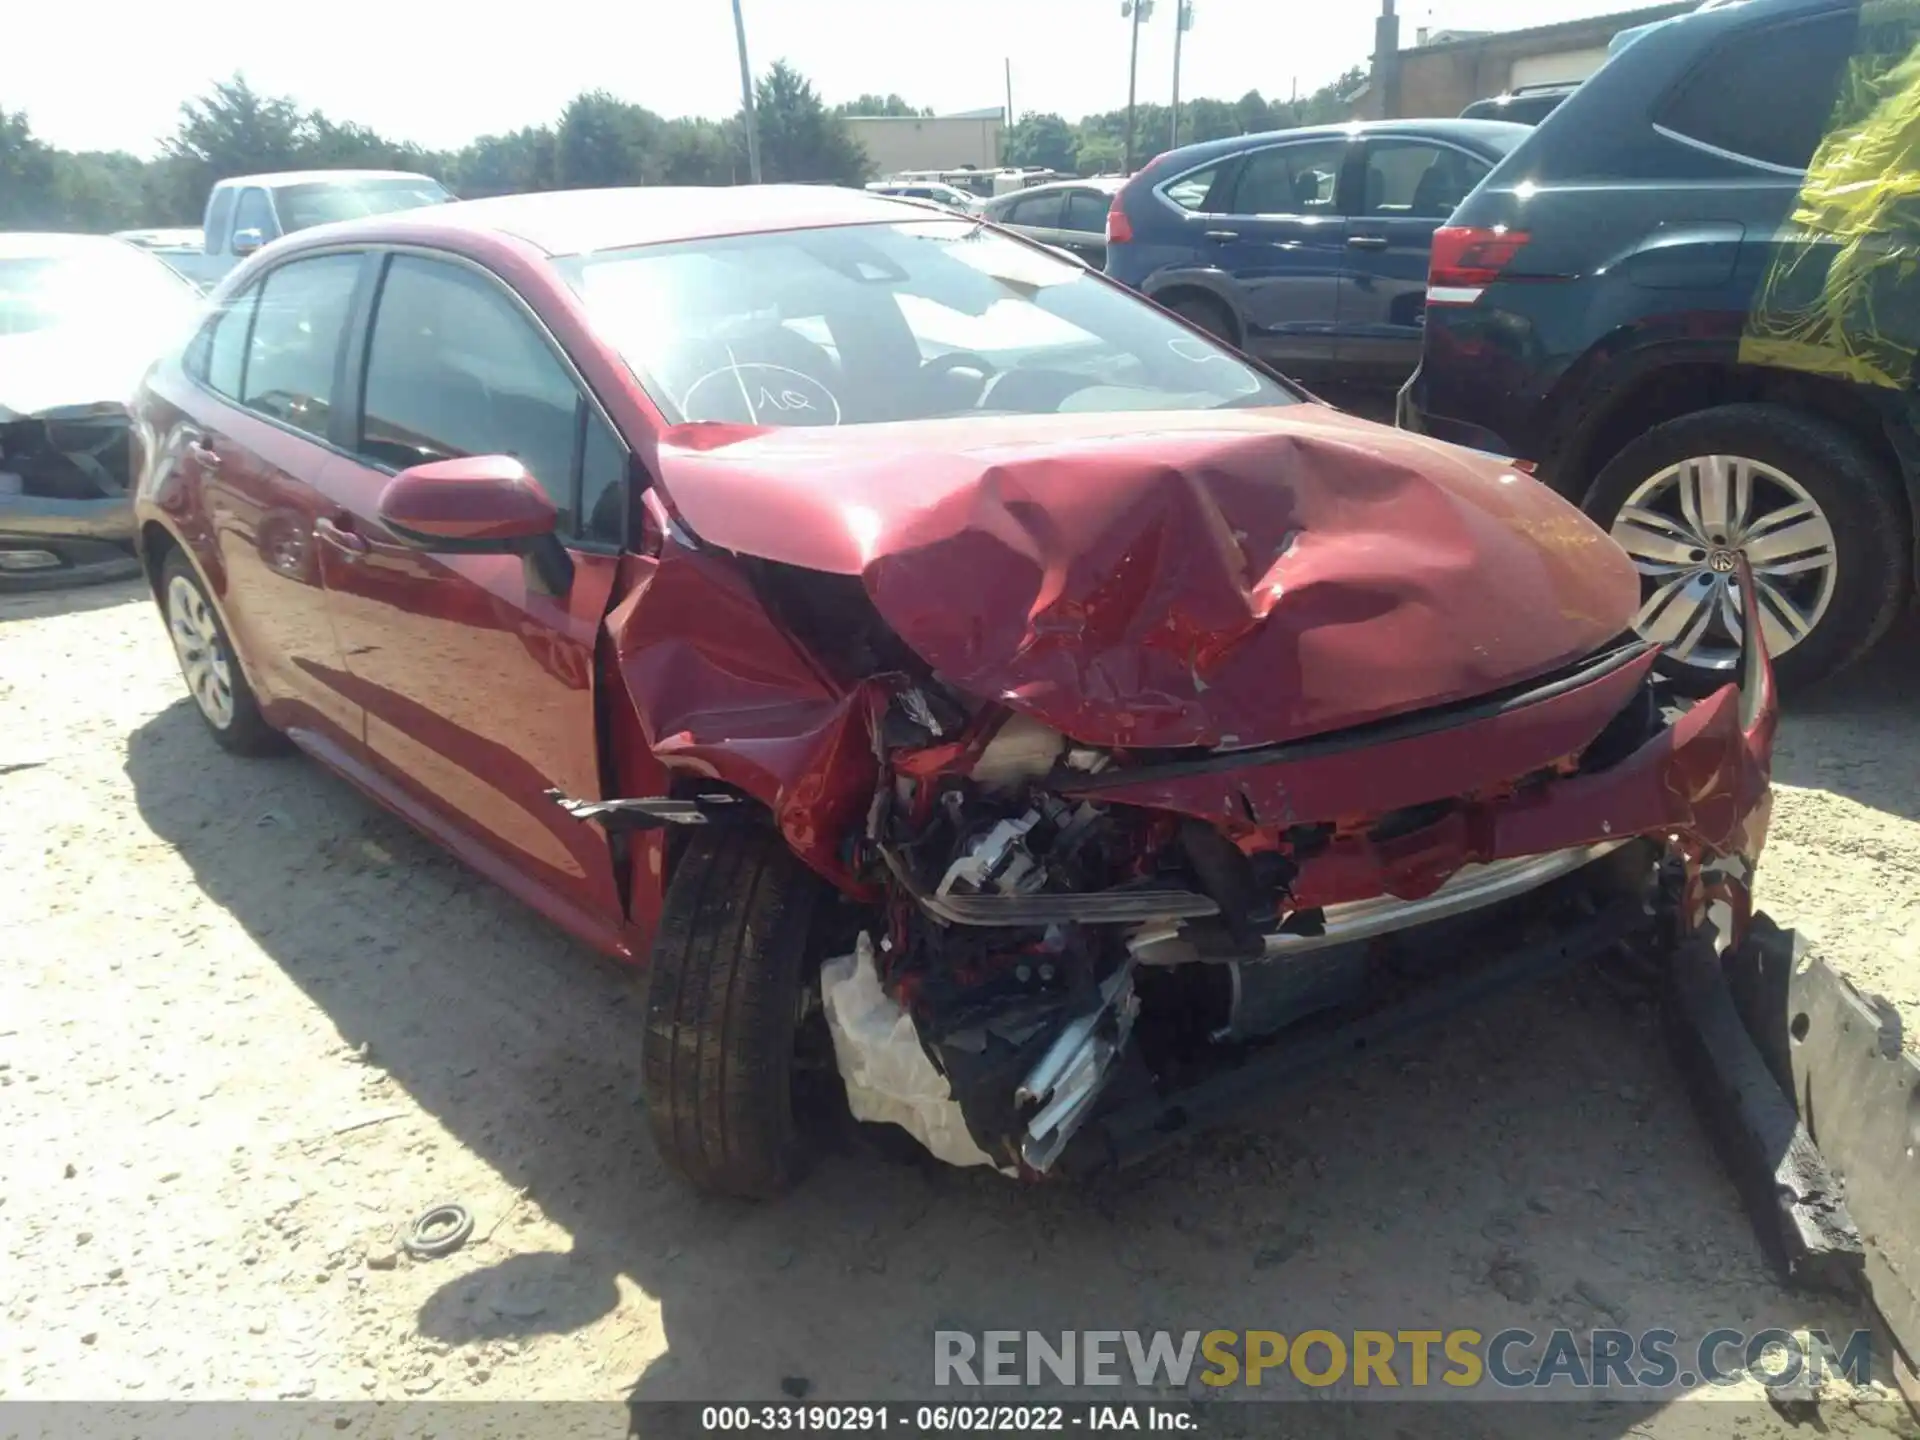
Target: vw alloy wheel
[
  {"x": 203, "y": 657},
  {"x": 1685, "y": 529}
]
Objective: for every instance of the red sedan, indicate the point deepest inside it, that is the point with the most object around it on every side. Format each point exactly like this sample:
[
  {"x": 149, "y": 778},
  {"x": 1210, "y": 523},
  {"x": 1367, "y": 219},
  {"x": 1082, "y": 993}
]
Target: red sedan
[{"x": 969, "y": 686}]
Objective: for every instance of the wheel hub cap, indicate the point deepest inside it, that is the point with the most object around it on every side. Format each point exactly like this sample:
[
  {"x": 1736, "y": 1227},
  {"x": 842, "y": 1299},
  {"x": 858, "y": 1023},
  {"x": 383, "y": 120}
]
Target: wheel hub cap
[
  {"x": 1686, "y": 529},
  {"x": 203, "y": 658}
]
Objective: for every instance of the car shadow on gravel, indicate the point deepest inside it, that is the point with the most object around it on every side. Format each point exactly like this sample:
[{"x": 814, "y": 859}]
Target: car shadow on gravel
[
  {"x": 1532, "y": 1164},
  {"x": 72, "y": 599},
  {"x": 1859, "y": 735}
]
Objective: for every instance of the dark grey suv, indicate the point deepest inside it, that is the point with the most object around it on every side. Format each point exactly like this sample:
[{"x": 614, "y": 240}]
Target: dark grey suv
[{"x": 1692, "y": 297}]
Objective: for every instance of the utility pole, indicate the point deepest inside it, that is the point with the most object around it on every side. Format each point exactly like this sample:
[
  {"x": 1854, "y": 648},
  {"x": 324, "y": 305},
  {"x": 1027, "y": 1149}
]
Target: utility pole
[
  {"x": 1137, "y": 10},
  {"x": 1182, "y": 22},
  {"x": 746, "y": 96},
  {"x": 1009, "y": 92}
]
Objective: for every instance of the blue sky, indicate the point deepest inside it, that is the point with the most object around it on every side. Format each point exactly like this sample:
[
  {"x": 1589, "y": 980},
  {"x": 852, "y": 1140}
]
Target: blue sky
[{"x": 110, "y": 74}]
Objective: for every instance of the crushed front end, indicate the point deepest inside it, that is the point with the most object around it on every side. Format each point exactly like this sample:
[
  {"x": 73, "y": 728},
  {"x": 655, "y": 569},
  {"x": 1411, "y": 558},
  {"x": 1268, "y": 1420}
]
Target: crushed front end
[
  {"x": 66, "y": 509},
  {"x": 1151, "y": 756},
  {"x": 1076, "y": 931}
]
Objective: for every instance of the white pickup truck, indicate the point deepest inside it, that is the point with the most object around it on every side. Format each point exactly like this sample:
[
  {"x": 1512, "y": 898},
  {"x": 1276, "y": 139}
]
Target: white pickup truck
[{"x": 248, "y": 211}]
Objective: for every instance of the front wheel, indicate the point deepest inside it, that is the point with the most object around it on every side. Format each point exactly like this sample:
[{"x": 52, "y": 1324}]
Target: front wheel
[
  {"x": 725, "y": 1001},
  {"x": 1819, "y": 519}
]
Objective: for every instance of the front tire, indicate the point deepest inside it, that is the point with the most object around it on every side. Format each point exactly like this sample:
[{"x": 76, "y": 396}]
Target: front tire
[
  {"x": 1820, "y": 520},
  {"x": 729, "y": 976},
  {"x": 209, "y": 665}
]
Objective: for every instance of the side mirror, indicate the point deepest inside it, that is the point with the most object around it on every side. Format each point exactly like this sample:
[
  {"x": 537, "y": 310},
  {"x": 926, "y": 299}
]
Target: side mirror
[
  {"x": 479, "y": 505},
  {"x": 245, "y": 242}
]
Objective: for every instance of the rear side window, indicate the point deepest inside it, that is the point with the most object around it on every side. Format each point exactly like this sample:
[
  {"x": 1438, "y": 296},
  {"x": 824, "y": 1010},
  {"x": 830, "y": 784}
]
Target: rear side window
[
  {"x": 1766, "y": 94},
  {"x": 1043, "y": 210},
  {"x": 1086, "y": 211},
  {"x": 297, "y": 325},
  {"x": 219, "y": 356},
  {"x": 1190, "y": 192},
  {"x": 1417, "y": 180},
  {"x": 1298, "y": 179}
]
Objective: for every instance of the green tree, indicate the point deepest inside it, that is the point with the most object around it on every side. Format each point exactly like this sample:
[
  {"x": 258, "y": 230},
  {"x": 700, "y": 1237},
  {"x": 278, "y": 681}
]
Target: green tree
[
  {"x": 799, "y": 139},
  {"x": 27, "y": 173},
  {"x": 1329, "y": 104},
  {"x": 598, "y": 140},
  {"x": 100, "y": 190},
  {"x": 513, "y": 164},
  {"x": 699, "y": 152},
  {"x": 879, "y": 105},
  {"x": 1254, "y": 115},
  {"x": 1202, "y": 120},
  {"x": 1043, "y": 142},
  {"x": 604, "y": 141},
  {"x": 350, "y": 146},
  {"x": 233, "y": 130},
  {"x": 1099, "y": 155}
]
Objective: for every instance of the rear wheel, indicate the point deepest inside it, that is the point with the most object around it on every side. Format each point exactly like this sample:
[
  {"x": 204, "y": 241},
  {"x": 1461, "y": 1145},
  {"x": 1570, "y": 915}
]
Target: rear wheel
[
  {"x": 1209, "y": 314},
  {"x": 1818, "y": 518},
  {"x": 725, "y": 1003},
  {"x": 220, "y": 691}
]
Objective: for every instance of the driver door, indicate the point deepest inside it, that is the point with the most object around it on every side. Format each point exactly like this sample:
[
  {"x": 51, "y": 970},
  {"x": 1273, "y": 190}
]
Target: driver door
[{"x": 478, "y": 687}]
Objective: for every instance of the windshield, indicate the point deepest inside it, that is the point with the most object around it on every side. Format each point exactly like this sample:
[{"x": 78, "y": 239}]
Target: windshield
[
  {"x": 108, "y": 286},
  {"x": 862, "y": 324},
  {"x": 324, "y": 201}
]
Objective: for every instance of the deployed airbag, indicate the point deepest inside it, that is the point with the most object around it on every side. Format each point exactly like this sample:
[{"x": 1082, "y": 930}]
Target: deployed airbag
[{"x": 889, "y": 1079}]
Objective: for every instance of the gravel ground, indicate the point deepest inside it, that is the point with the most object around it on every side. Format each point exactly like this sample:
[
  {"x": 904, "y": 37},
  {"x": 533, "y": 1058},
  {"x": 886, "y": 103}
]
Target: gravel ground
[{"x": 249, "y": 1024}]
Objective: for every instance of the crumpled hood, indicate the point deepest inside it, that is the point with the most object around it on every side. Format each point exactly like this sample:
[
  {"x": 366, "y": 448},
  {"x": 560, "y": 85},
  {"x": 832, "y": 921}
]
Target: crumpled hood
[{"x": 1193, "y": 579}]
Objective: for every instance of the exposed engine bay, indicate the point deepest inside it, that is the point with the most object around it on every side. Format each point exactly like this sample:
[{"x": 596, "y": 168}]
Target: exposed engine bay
[{"x": 1037, "y": 947}]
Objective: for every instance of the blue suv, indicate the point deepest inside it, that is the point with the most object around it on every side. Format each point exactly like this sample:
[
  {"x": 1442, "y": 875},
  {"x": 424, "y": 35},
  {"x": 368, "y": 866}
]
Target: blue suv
[
  {"x": 1305, "y": 248},
  {"x": 1691, "y": 298}
]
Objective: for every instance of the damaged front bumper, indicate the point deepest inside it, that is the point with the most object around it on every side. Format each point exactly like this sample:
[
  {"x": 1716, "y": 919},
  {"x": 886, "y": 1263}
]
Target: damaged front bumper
[
  {"x": 66, "y": 509},
  {"x": 1633, "y": 820}
]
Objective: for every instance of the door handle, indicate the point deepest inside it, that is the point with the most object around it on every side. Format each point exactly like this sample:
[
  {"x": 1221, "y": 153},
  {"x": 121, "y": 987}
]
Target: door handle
[
  {"x": 1223, "y": 235},
  {"x": 1367, "y": 242},
  {"x": 203, "y": 452},
  {"x": 350, "y": 545}
]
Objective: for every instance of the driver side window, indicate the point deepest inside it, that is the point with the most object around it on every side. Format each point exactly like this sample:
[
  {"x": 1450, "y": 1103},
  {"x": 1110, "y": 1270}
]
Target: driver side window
[{"x": 454, "y": 368}]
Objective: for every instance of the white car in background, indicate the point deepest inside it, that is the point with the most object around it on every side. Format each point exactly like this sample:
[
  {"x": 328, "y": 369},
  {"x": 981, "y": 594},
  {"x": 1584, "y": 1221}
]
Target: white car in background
[
  {"x": 935, "y": 191},
  {"x": 81, "y": 319},
  {"x": 1069, "y": 215},
  {"x": 181, "y": 248}
]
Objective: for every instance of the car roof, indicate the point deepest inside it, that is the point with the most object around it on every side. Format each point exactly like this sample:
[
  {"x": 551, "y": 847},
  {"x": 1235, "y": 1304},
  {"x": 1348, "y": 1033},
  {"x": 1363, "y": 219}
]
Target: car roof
[
  {"x": 307, "y": 177},
  {"x": 1474, "y": 133},
  {"x": 572, "y": 222},
  {"x": 1104, "y": 183}
]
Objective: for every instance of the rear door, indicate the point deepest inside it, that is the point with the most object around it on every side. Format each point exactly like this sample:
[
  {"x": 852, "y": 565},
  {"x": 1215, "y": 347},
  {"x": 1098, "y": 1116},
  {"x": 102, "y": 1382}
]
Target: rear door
[
  {"x": 1083, "y": 224},
  {"x": 478, "y": 688},
  {"x": 1037, "y": 216},
  {"x": 1408, "y": 188},
  {"x": 269, "y": 365},
  {"x": 1276, "y": 229}
]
